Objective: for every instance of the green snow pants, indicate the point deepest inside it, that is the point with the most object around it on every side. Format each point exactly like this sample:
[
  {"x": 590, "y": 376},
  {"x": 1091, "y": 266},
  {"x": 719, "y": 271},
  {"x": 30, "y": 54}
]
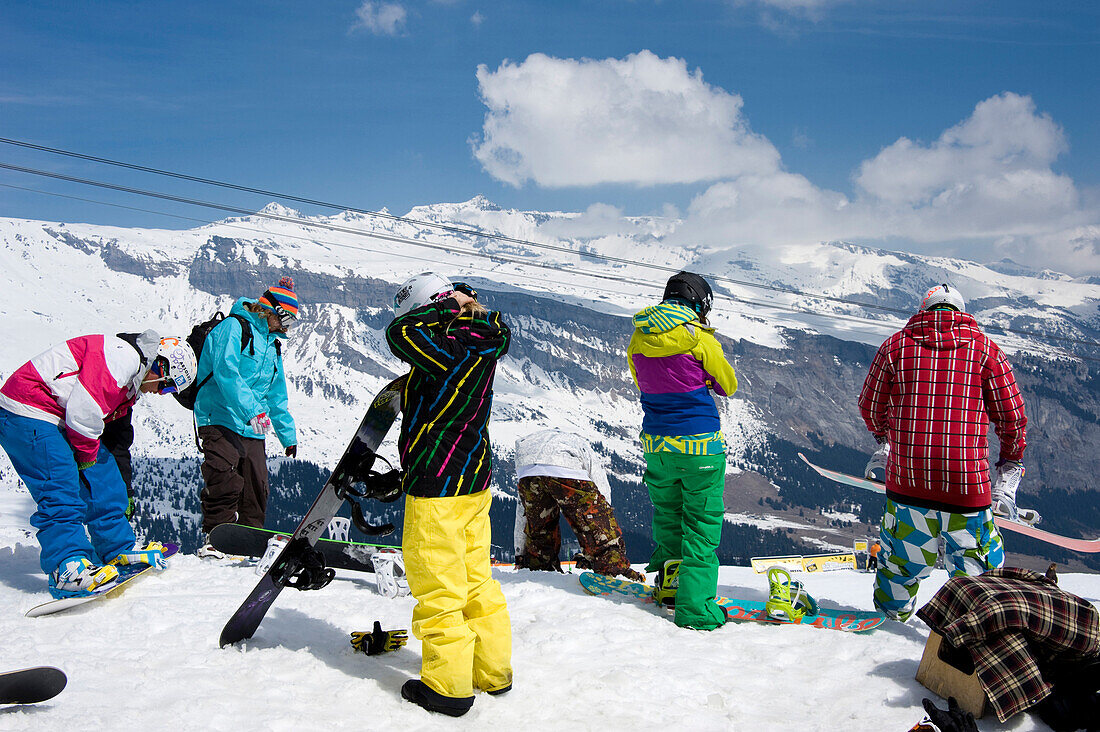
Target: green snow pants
[{"x": 686, "y": 491}]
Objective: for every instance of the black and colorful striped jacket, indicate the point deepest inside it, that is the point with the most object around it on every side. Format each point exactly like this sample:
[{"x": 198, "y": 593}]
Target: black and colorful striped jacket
[{"x": 444, "y": 441}]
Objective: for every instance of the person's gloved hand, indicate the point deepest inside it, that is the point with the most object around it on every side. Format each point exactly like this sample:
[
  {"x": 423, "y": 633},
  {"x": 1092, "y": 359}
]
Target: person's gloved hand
[
  {"x": 292, "y": 451},
  {"x": 1009, "y": 475},
  {"x": 84, "y": 464},
  {"x": 876, "y": 466},
  {"x": 261, "y": 423},
  {"x": 952, "y": 719},
  {"x": 131, "y": 508},
  {"x": 378, "y": 641}
]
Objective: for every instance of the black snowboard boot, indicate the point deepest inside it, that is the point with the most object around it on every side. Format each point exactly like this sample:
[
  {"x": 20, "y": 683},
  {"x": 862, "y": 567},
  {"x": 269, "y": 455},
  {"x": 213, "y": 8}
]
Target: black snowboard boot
[{"x": 419, "y": 693}]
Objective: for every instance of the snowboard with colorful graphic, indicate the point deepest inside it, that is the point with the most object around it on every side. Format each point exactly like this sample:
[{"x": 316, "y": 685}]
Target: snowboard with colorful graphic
[
  {"x": 31, "y": 685},
  {"x": 1088, "y": 546},
  {"x": 851, "y": 621},
  {"x": 299, "y": 565},
  {"x": 126, "y": 575},
  {"x": 248, "y": 541}
]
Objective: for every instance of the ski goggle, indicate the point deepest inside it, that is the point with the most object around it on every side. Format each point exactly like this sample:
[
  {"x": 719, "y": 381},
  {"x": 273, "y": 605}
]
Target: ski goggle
[
  {"x": 286, "y": 318},
  {"x": 160, "y": 370}
]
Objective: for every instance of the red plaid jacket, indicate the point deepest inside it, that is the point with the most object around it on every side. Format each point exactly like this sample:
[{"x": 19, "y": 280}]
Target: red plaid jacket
[{"x": 932, "y": 390}]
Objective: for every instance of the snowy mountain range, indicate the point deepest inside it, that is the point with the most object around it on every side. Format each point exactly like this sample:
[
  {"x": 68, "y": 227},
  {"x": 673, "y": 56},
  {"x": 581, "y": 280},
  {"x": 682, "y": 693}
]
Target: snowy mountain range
[{"x": 786, "y": 317}]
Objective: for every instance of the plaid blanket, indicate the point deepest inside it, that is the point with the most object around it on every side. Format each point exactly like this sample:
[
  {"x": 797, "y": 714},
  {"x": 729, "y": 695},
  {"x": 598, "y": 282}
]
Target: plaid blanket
[{"x": 1012, "y": 620}]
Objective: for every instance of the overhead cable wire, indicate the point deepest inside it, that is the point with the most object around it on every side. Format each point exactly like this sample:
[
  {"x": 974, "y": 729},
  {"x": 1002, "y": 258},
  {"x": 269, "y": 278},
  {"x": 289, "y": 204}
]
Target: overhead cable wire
[
  {"x": 451, "y": 228},
  {"x": 881, "y": 325},
  {"x": 308, "y": 223}
]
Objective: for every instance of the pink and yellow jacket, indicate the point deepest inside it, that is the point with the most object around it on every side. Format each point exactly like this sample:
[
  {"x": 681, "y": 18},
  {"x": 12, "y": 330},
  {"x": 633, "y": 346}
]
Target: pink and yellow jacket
[{"x": 80, "y": 384}]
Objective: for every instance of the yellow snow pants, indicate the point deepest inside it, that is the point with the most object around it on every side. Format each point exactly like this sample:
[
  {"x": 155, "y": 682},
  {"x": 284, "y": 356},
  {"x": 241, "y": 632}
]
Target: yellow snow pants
[{"x": 461, "y": 617}]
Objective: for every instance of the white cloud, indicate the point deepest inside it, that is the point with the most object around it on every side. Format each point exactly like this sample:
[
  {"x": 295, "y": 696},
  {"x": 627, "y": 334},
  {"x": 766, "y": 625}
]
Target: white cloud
[
  {"x": 639, "y": 120},
  {"x": 477, "y": 18},
  {"x": 1076, "y": 250},
  {"x": 984, "y": 189},
  {"x": 1003, "y": 136},
  {"x": 383, "y": 19}
]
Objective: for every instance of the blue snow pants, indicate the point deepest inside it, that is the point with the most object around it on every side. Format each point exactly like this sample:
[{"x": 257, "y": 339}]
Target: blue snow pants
[{"x": 67, "y": 498}]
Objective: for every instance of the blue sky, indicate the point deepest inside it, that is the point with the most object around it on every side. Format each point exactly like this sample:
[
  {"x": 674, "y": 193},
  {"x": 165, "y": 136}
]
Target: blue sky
[{"x": 936, "y": 126}]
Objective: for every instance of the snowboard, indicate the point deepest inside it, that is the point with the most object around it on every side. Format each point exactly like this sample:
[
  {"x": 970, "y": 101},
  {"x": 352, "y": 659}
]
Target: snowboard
[
  {"x": 127, "y": 573},
  {"x": 31, "y": 685},
  {"x": 1088, "y": 546},
  {"x": 287, "y": 567},
  {"x": 248, "y": 541},
  {"x": 851, "y": 621}
]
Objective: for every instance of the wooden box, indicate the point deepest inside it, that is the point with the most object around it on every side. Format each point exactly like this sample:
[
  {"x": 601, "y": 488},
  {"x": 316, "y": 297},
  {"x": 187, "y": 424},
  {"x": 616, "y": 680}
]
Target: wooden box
[{"x": 940, "y": 677}]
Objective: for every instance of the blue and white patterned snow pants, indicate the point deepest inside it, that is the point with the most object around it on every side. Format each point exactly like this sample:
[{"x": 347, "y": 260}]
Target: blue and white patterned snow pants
[{"x": 910, "y": 545}]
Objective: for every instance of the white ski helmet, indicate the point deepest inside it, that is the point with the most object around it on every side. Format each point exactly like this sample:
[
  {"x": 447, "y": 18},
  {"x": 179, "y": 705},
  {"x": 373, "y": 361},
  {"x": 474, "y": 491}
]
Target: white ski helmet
[
  {"x": 180, "y": 362},
  {"x": 420, "y": 290},
  {"x": 943, "y": 295}
]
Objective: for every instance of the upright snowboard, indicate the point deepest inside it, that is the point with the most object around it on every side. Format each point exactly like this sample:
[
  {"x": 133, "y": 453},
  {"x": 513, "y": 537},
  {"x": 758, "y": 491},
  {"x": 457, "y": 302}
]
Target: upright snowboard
[
  {"x": 249, "y": 541},
  {"x": 1088, "y": 546},
  {"x": 126, "y": 575},
  {"x": 31, "y": 685},
  {"x": 358, "y": 456},
  {"x": 852, "y": 621}
]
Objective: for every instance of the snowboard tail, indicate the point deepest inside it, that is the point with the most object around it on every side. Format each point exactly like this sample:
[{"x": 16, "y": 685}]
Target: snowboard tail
[
  {"x": 1087, "y": 546},
  {"x": 851, "y": 621},
  {"x": 31, "y": 685},
  {"x": 299, "y": 564}
]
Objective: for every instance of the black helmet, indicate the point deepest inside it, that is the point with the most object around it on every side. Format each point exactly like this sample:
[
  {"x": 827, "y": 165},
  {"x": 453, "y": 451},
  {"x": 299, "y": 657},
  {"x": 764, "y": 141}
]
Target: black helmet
[{"x": 692, "y": 289}]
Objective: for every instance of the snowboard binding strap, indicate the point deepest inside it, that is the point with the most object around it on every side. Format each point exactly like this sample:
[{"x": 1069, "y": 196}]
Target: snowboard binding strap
[
  {"x": 343, "y": 484},
  {"x": 302, "y": 567}
]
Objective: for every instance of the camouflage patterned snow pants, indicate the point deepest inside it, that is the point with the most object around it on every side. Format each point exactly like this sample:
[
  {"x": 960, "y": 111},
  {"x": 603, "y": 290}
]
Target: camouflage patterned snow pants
[{"x": 590, "y": 516}]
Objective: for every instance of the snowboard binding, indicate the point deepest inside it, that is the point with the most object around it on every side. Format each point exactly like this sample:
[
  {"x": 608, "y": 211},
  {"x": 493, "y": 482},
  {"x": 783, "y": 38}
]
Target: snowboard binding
[
  {"x": 389, "y": 573},
  {"x": 787, "y": 598},
  {"x": 667, "y": 583},
  {"x": 302, "y": 567},
  {"x": 376, "y": 486}
]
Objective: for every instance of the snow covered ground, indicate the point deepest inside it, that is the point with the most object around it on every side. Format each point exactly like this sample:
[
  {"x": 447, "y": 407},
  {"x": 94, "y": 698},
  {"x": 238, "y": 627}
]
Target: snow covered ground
[{"x": 149, "y": 659}]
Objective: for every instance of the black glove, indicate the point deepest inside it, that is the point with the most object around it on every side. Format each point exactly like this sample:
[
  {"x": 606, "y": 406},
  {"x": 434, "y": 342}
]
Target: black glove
[
  {"x": 378, "y": 641},
  {"x": 465, "y": 289},
  {"x": 386, "y": 487},
  {"x": 953, "y": 719}
]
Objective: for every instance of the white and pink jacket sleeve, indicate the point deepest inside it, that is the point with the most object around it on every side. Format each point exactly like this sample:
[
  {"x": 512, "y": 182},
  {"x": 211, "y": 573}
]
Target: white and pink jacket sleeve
[{"x": 80, "y": 384}]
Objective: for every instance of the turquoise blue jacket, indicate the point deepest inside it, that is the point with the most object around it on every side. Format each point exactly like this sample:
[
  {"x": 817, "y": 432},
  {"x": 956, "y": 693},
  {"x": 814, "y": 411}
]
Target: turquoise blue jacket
[{"x": 244, "y": 384}]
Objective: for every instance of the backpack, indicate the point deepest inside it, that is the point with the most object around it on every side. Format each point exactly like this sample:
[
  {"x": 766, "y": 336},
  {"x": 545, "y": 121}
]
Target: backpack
[{"x": 196, "y": 340}]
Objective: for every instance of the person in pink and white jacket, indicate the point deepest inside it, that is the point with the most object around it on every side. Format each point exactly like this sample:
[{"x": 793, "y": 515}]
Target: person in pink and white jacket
[{"x": 53, "y": 410}]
